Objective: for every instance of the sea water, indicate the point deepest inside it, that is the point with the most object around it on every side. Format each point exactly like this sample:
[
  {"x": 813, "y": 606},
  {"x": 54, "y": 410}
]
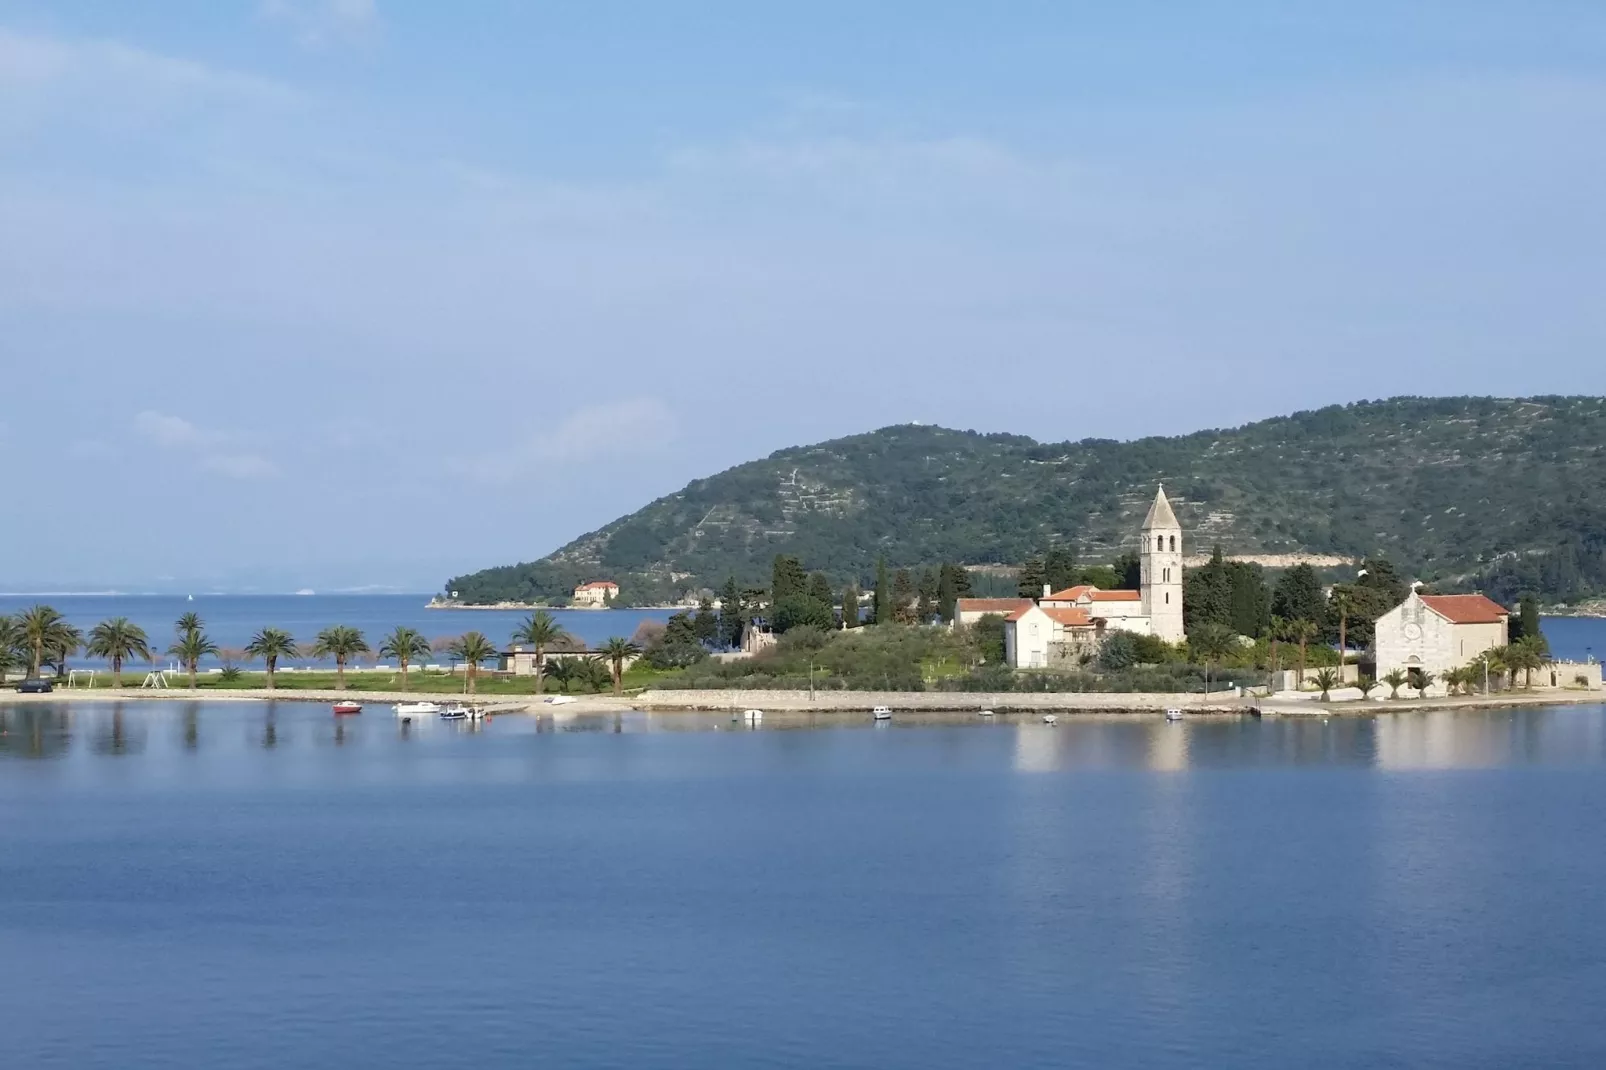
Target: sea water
[
  {"x": 249, "y": 884},
  {"x": 231, "y": 620}
]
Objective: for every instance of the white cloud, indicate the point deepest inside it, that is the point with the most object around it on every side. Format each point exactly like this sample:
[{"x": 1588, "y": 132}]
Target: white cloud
[
  {"x": 592, "y": 433},
  {"x": 321, "y": 23},
  {"x": 43, "y": 63},
  {"x": 211, "y": 450},
  {"x": 168, "y": 430}
]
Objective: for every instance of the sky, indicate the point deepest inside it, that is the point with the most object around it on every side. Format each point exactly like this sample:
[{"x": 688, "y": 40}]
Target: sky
[{"x": 348, "y": 293}]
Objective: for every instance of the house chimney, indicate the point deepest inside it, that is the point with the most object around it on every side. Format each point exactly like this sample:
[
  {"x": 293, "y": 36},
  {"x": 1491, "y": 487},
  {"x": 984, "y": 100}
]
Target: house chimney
[{"x": 1047, "y": 590}]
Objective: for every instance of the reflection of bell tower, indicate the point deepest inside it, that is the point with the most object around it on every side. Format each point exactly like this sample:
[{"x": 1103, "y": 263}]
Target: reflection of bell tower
[{"x": 1160, "y": 552}]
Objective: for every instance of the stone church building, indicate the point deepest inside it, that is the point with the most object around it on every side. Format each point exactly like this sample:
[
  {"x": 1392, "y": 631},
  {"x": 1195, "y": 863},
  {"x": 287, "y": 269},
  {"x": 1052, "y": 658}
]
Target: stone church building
[{"x": 1436, "y": 632}]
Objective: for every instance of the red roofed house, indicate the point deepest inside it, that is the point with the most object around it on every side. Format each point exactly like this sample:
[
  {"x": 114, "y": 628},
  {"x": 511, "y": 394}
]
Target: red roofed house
[
  {"x": 1040, "y": 637},
  {"x": 1436, "y": 632},
  {"x": 1123, "y": 609},
  {"x": 596, "y": 594},
  {"x": 971, "y": 610}
]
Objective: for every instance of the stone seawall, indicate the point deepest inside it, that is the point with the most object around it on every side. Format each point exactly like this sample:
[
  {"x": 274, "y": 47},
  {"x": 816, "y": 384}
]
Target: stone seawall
[{"x": 862, "y": 701}]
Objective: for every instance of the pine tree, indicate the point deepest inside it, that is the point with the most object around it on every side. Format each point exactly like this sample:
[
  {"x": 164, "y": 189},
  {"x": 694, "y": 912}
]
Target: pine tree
[
  {"x": 1299, "y": 597},
  {"x": 1207, "y": 595},
  {"x": 883, "y": 593},
  {"x": 787, "y": 578},
  {"x": 928, "y": 595},
  {"x": 1129, "y": 569},
  {"x": 1031, "y": 578},
  {"x": 731, "y": 617},
  {"x": 1059, "y": 568},
  {"x": 903, "y": 597},
  {"x": 820, "y": 590},
  {"x": 705, "y": 625}
]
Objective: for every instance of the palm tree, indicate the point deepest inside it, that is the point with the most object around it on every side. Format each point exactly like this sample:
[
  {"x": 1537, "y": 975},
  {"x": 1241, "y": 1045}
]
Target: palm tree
[
  {"x": 11, "y": 646},
  {"x": 1454, "y": 679},
  {"x": 540, "y": 631},
  {"x": 188, "y": 622},
  {"x": 40, "y": 625},
  {"x": 1492, "y": 663},
  {"x": 593, "y": 672},
  {"x": 1396, "y": 680},
  {"x": 405, "y": 645},
  {"x": 1424, "y": 680},
  {"x": 271, "y": 644},
  {"x": 117, "y": 639},
  {"x": 616, "y": 652},
  {"x": 1302, "y": 632},
  {"x": 63, "y": 643},
  {"x": 1366, "y": 685},
  {"x": 1326, "y": 679},
  {"x": 1526, "y": 655},
  {"x": 341, "y": 642},
  {"x": 1276, "y": 629},
  {"x": 471, "y": 648},
  {"x": 1212, "y": 642},
  {"x": 562, "y": 672},
  {"x": 191, "y": 647}
]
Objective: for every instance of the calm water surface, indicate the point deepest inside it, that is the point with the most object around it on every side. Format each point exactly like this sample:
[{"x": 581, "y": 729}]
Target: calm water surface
[{"x": 256, "y": 885}]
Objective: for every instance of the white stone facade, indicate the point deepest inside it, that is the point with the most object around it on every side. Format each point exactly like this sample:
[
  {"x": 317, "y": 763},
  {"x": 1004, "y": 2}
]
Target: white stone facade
[
  {"x": 1436, "y": 633},
  {"x": 1161, "y": 556}
]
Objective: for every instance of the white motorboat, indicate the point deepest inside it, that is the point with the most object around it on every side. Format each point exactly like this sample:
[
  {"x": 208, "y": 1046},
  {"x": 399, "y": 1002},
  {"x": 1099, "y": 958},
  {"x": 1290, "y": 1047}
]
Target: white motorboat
[
  {"x": 985, "y": 713},
  {"x": 753, "y": 717},
  {"x": 559, "y": 700},
  {"x": 881, "y": 713},
  {"x": 1050, "y": 719},
  {"x": 459, "y": 712},
  {"x": 1173, "y": 714},
  {"x": 417, "y": 709}
]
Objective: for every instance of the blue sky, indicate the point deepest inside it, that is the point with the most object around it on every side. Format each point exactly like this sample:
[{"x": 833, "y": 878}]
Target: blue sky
[{"x": 336, "y": 292}]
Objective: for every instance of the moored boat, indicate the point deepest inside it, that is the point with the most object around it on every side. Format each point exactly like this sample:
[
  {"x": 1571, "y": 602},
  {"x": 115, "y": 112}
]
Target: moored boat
[
  {"x": 1050, "y": 719},
  {"x": 1173, "y": 714},
  {"x": 343, "y": 708},
  {"x": 881, "y": 713},
  {"x": 415, "y": 709}
]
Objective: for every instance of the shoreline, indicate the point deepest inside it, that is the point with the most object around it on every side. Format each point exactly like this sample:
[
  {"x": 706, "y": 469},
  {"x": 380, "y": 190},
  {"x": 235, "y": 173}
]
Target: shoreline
[
  {"x": 530, "y": 606},
  {"x": 848, "y": 703}
]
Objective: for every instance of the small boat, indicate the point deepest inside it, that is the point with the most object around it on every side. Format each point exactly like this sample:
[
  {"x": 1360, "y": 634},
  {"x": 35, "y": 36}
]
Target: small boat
[
  {"x": 753, "y": 717},
  {"x": 459, "y": 712},
  {"x": 1173, "y": 714},
  {"x": 881, "y": 713},
  {"x": 559, "y": 700},
  {"x": 985, "y": 713},
  {"x": 1050, "y": 719},
  {"x": 343, "y": 708},
  {"x": 415, "y": 709}
]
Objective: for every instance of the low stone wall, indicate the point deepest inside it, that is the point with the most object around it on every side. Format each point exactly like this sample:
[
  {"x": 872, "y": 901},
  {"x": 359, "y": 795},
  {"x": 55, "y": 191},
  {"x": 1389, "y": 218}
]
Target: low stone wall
[{"x": 862, "y": 701}]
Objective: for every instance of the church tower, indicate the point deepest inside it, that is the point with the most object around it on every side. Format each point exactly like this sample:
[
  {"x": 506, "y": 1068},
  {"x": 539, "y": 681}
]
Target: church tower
[{"x": 1160, "y": 552}]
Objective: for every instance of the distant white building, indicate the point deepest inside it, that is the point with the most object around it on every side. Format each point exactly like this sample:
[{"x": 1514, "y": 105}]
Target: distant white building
[
  {"x": 971, "y": 610},
  {"x": 596, "y": 594}
]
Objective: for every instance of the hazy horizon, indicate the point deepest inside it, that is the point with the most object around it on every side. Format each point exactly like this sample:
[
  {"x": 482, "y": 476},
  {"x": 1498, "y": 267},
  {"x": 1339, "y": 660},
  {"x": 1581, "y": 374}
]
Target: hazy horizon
[{"x": 346, "y": 293}]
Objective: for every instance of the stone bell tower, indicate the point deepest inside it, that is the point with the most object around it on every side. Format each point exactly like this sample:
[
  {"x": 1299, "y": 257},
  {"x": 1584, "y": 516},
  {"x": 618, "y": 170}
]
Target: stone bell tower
[{"x": 1160, "y": 551}]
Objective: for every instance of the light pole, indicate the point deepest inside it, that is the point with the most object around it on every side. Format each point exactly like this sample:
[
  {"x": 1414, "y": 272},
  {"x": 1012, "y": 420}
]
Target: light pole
[{"x": 811, "y": 679}]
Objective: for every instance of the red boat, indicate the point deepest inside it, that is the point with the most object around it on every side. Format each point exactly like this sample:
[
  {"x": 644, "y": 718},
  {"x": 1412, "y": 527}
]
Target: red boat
[{"x": 342, "y": 708}]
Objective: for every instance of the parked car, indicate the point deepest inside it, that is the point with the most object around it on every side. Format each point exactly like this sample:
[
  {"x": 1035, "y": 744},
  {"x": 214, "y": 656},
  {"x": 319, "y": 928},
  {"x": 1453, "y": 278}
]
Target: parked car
[{"x": 36, "y": 687}]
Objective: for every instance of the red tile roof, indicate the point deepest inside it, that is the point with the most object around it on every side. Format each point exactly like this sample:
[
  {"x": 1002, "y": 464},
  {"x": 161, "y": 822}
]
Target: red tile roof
[
  {"x": 1070, "y": 594},
  {"x": 1069, "y": 618},
  {"x": 594, "y": 584},
  {"x": 1117, "y": 596},
  {"x": 1466, "y": 608},
  {"x": 992, "y": 605}
]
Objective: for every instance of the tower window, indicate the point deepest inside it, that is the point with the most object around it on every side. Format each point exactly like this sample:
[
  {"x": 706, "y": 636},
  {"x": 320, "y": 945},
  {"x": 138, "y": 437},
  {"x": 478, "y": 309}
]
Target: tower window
[
  {"x": 1168, "y": 598},
  {"x": 1159, "y": 542},
  {"x": 1173, "y": 544}
]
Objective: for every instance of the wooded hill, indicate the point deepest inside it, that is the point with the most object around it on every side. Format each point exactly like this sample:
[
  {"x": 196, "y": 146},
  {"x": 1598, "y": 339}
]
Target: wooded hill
[{"x": 1504, "y": 494}]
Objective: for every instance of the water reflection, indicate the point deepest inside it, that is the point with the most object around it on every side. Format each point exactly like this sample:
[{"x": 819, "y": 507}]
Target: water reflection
[{"x": 1441, "y": 739}]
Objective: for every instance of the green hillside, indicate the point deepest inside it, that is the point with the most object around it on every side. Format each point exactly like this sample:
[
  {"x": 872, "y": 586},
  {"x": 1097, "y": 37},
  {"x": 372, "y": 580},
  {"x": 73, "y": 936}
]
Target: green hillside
[{"x": 1509, "y": 494}]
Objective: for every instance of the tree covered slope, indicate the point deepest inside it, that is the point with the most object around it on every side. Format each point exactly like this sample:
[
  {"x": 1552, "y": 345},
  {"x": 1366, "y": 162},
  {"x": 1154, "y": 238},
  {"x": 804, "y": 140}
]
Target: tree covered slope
[{"x": 1509, "y": 493}]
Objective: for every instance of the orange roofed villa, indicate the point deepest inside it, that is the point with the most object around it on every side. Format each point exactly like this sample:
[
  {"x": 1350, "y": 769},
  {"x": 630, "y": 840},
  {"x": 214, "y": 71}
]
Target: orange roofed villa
[
  {"x": 595, "y": 595},
  {"x": 1063, "y": 627}
]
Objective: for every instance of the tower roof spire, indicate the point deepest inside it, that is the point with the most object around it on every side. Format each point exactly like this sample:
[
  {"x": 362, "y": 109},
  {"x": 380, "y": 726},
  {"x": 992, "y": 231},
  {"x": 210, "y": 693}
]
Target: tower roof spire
[{"x": 1160, "y": 514}]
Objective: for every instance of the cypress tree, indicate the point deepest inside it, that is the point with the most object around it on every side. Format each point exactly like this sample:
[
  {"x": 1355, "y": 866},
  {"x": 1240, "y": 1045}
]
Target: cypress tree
[
  {"x": 820, "y": 589},
  {"x": 1299, "y": 597},
  {"x": 883, "y": 593},
  {"x": 1031, "y": 578},
  {"x": 1059, "y": 569},
  {"x": 903, "y": 593},
  {"x": 850, "y": 607}
]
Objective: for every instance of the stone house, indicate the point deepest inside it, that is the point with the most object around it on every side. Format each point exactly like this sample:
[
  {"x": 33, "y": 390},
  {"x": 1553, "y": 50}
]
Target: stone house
[
  {"x": 1438, "y": 632},
  {"x": 1038, "y": 637},
  {"x": 1122, "y": 610}
]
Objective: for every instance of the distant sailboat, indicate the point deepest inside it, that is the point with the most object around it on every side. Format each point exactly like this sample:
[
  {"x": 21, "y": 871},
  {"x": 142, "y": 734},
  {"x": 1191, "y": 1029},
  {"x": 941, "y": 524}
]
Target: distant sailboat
[{"x": 189, "y": 598}]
